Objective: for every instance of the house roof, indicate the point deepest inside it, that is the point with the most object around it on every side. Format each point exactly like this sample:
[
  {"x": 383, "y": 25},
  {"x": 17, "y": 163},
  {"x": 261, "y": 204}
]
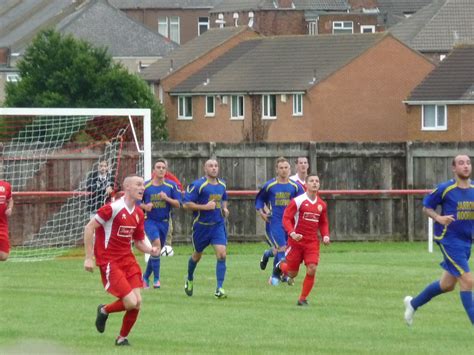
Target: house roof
[
  {"x": 103, "y": 25},
  {"x": 452, "y": 80},
  {"x": 395, "y": 10},
  {"x": 245, "y": 5},
  {"x": 438, "y": 26},
  {"x": 270, "y": 65},
  {"x": 21, "y": 20},
  {"x": 164, "y": 4},
  {"x": 189, "y": 52}
]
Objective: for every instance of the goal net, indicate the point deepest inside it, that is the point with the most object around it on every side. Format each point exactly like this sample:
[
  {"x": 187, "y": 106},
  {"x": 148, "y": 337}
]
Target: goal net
[{"x": 62, "y": 165}]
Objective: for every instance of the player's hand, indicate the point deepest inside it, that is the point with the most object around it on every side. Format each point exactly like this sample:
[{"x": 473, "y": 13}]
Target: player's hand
[
  {"x": 296, "y": 236},
  {"x": 148, "y": 206},
  {"x": 326, "y": 240},
  {"x": 264, "y": 216},
  {"x": 8, "y": 212},
  {"x": 155, "y": 251},
  {"x": 89, "y": 265},
  {"x": 162, "y": 195},
  {"x": 225, "y": 211},
  {"x": 445, "y": 220},
  {"x": 211, "y": 205},
  {"x": 109, "y": 190}
]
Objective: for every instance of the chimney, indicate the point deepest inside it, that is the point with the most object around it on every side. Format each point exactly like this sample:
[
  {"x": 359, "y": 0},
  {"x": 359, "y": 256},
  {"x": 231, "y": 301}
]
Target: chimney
[{"x": 285, "y": 4}]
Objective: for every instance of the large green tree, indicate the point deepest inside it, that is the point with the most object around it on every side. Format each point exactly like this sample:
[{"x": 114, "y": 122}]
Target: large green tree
[{"x": 60, "y": 71}]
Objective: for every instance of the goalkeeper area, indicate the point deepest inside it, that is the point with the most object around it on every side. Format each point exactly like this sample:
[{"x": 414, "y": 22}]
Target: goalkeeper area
[
  {"x": 50, "y": 156},
  {"x": 356, "y": 307}
]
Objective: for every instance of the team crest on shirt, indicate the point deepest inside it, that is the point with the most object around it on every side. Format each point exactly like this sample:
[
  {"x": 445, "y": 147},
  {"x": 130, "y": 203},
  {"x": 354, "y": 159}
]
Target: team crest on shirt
[
  {"x": 124, "y": 216},
  {"x": 137, "y": 218},
  {"x": 2, "y": 189},
  {"x": 320, "y": 208}
]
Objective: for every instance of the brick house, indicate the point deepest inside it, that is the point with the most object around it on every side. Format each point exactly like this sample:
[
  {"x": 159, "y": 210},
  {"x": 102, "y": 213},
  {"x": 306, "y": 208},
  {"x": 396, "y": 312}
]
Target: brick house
[
  {"x": 179, "y": 20},
  {"x": 292, "y": 17},
  {"x": 441, "y": 108},
  {"x": 336, "y": 89}
]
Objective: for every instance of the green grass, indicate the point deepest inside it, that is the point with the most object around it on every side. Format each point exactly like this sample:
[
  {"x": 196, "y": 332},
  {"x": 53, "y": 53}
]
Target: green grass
[{"x": 356, "y": 307}]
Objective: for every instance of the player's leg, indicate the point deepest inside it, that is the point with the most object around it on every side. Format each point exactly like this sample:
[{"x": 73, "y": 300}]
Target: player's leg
[
  {"x": 221, "y": 254},
  {"x": 153, "y": 234},
  {"x": 461, "y": 259},
  {"x": 268, "y": 253},
  {"x": 169, "y": 237},
  {"x": 279, "y": 240},
  {"x": 200, "y": 242},
  {"x": 308, "y": 284},
  {"x": 289, "y": 266},
  {"x": 4, "y": 247},
  {"x": 132, "y": 303},
  {"x": 156, "y": 261}
]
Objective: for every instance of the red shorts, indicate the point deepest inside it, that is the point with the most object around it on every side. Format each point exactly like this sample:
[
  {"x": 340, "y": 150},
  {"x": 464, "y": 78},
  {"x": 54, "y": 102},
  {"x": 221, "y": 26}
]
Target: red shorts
[
  {"x": 4, "y": 242},
  {"x": 120, "y": 278},
  {"x": 298, "y": 252}
]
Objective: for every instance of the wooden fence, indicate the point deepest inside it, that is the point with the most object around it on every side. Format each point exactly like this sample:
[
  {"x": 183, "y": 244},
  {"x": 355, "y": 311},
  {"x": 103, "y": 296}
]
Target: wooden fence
[{"x": 247, "y": 166}]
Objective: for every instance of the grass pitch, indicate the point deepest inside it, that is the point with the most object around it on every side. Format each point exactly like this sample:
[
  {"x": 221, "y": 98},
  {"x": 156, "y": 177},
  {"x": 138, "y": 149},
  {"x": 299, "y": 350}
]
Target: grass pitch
[{"x": 356, "y": 307}]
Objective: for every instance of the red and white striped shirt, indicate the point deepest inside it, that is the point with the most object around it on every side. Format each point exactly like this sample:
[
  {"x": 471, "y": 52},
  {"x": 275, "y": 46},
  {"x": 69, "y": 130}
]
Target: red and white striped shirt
[
  {"x": 305, "y": 216},
  {"x": 118, "y": 226}
]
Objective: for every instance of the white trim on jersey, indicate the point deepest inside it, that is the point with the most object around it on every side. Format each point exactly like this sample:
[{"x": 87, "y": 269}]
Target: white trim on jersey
[
  {"x": 117, "y": 206},
  {"x": 296, "y": 178},
  {"x": 107, "y": 275},
  {"x": 299, "y": 201}
]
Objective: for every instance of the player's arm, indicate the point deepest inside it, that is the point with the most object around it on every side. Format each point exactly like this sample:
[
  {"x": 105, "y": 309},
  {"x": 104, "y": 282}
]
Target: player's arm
[
  {"x": 172, "y": 201},
  {"x": 260, "y": 201},
  {"x": 444, "y": 220},
  {"x": 324, "y": 226},
  {"x": 9, "y": 210},
  {"x": 146, "y": 248},
  {"x": 225, "y": 211},
  {"x": 89, "y": 244},
  {"x": 193, "y": 206},
  {"x": 289, "y": 221}
]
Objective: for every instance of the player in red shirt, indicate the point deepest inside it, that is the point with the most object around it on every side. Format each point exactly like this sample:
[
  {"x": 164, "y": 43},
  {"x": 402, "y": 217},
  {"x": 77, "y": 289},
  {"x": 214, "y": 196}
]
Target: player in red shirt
[
  {"x": 116, "y": 225},
  {"x": 6, "y": 207},
  {"x": 303, "y": 217},
  {"x": 302, "y": 168}
]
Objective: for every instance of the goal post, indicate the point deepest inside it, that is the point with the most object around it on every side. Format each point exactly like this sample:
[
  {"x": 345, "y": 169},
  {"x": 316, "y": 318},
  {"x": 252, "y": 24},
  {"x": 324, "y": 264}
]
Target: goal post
[{"x": 51, "y": 156}]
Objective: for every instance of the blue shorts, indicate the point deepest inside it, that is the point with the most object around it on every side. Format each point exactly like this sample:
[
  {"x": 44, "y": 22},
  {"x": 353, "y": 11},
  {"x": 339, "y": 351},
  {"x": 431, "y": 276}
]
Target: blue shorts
[
  {"x": 203, "y": 235},
  {"x": 456, "y": 258},
  {"x": 155, "y": 230},
  {"x": 275, "y": 235}
]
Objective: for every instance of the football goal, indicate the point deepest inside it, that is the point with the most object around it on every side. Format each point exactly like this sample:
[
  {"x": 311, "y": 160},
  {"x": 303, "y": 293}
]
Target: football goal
[{"x": 63, "y": 164}]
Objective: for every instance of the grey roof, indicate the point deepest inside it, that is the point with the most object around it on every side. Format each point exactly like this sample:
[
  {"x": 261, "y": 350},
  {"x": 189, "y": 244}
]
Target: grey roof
[
  {"x": 452, "y": 80},
  {"x": 20, "y": 20},
  {"x": 164, "y": 4},
  {"x": 277, "y": 64},
  {"x": 438, "y": 26},
  {"x": 394, "y": 9},
  {"x": 103, "y": 25},
  {"x": 245, "y": 5},
  {"x": 190, "y": 51}
]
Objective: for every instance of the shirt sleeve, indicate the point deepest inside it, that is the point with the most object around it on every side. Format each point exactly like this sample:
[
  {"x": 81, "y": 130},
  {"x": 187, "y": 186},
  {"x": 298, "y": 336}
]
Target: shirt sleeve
[
  {"x": 300, "y": 190},
  {"x": 289, "y": 217},
  {"x": 104, "y": 214},
  {"x": 139, "y": 233},
  {"x": 261, "y": 198},
  {"x": 433, "y": 199},
  {"x": 176, "y": 193},
  {"x": 191, "y": 194},
  {"x": 324, "y": 222}
]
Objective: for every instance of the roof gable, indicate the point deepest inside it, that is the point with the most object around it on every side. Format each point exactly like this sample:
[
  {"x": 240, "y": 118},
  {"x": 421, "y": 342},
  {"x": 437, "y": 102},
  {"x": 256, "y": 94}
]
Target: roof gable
[
  {"x": 395, "y": 10},
  {"x": 270, "y": 64},
  {"x": 452, "y": 80}
]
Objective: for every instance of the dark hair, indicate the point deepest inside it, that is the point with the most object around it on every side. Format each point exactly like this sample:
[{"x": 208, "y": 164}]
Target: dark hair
[
  {"x": 310, "y": 174},
  {"x": 297, "y": 158}
]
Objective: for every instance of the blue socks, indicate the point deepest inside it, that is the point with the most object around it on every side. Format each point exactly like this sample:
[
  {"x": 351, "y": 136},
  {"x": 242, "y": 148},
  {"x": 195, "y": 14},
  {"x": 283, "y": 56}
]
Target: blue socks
[
  {"x": 191, "y": 267},
  {"x": 155, "y": 264},
  {"x": 280, "y": 255},
  {"x": 427, "y": 294},
  {"x": 220, "y": 272},
  {"x": 148, "y": 270},
  {"x": 466, "y": 298}
]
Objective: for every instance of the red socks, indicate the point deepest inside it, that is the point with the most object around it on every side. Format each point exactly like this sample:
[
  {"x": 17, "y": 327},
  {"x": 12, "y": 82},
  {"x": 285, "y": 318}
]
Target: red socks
[
  {"x": 307, "y": 286},
  {"x": 116, "y": 306},
  {"x": 284, "y": 268},
  {"x": 129, "y": 320}
]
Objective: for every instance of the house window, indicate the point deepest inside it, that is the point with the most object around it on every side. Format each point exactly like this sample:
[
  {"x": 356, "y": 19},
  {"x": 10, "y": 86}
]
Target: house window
[
  {"x": 269, "y": 106},
  {"x": 237, "y": 107},
  {"x": 203, "y": 25},
  {"x": 169, "y": 28},
  {"x": 13, "y": 78},
  {"x": 367, "y": 29},
  {"x": 210, "y": 106},
  {"x": 434, "y": 118},
  {"x": 341, "y": 27},
  {"x": 298, "y": 105},
  {"x": 185, "y": 107},
  {"x": 312, "y": 28}
]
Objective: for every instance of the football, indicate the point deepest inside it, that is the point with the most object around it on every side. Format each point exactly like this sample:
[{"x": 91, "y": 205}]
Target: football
[{"x": 167, "y": 251}]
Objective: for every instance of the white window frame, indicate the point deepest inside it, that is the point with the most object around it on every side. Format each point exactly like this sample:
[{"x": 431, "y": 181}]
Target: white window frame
[
  {"x": 13, "y": 78},
  {"x": 165, "y": 24},
  {"x": 182, "y": 101},
  {"x": 202, "y": 23},
  {"x": 173, "y": 22},
  {"x": 312, "y": 28},
  {"x": 240, "y": 115},
  {"x": 297, "y": 101},
  {"x": 367, "y": 27},
  {"x": 267, "y": 106},
  {"x": 339, "y": 27},
  {"x": 208, "y": 113},
  {"x": 437, "y": 126}
]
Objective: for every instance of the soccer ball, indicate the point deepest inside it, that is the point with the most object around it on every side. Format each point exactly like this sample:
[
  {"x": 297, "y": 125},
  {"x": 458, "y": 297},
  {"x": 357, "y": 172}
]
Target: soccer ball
[{"x": 167, "y": 251}]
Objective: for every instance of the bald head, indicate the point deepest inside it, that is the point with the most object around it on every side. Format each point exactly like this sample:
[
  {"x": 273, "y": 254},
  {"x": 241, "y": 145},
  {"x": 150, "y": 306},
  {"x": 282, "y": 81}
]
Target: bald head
[
  {"x": 462, "y": 166},
  {"x": 211, "y": 168}
]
